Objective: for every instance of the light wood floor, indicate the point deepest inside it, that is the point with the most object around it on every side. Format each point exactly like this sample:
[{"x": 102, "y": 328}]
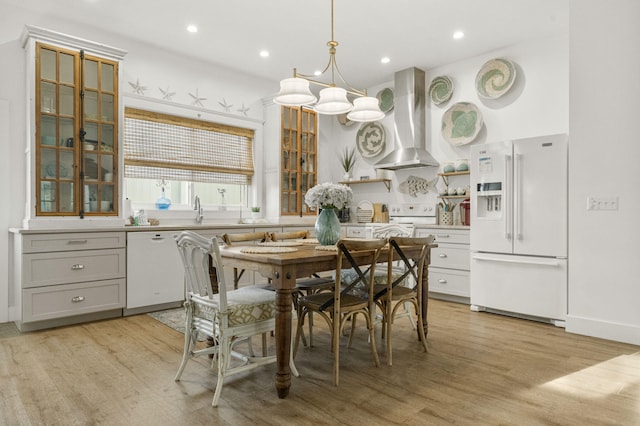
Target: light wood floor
[{"x": 481, "y": 369}]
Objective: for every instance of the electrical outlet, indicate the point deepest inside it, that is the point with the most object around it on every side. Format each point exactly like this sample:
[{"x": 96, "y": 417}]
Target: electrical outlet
[{"x": 602, "y": 203}]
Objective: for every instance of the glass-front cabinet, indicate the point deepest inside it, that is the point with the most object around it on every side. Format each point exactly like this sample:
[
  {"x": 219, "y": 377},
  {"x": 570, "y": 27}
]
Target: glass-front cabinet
[
  {"x": 76, "y": 132},
  {"x": 72, "y": 145},
  {"x": 299, "y": 161}
]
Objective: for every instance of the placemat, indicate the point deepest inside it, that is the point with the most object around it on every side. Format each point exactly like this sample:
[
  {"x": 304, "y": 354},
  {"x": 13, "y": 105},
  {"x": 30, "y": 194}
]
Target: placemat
[
  {"x": 307, "y": 241},
  {"x": 327, "y": 248},
  {"x": 260, "y": 249},
  {"x": 280, "y": 244}
]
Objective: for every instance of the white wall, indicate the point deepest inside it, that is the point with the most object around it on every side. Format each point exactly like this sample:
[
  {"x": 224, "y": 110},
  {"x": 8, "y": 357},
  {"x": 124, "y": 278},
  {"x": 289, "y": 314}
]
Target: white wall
[
  {"x": 537, "y": 104},
  {"x": 151, "y": 66},
  {"x": 604, "y": 288}
]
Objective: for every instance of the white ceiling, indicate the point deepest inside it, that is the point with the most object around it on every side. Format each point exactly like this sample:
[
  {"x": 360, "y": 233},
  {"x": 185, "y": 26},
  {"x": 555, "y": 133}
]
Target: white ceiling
[{"x": 295, "y": 32}]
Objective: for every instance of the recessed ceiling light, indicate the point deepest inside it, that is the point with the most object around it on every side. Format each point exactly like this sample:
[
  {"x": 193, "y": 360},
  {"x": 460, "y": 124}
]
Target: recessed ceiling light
[
  {"x": 458, "y": 35},
  {"x": 264, "y": 53},
  {"x": 385, "y": 60},
  {"x": 317, "y": 72},
  {"x": 192, "y": 28}
]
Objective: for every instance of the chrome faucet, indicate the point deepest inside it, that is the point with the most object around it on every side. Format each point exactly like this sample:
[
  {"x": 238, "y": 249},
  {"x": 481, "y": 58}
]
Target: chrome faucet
[{"x": 198, "y": 208}]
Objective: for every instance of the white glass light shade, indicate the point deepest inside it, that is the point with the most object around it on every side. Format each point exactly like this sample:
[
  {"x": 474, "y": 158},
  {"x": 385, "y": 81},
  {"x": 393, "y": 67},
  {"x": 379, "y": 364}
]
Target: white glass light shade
[
  {"x": 333, "y": 100},
  {"x": 294, "y": 92},
  {"x": 365, "y": 109}
]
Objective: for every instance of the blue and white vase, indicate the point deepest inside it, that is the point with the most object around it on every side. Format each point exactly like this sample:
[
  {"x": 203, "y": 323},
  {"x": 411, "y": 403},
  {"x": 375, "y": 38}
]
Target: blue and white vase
[{"x": 327, "y": 227}]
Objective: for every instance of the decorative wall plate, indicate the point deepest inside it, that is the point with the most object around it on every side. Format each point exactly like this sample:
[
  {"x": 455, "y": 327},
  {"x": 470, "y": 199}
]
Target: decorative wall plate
[
  {"x": 495, "y": 78},
  {"x": 461, "y": 123},
  {"x": 370, "y": 139},
  {"x": 440, "y": 90},
  {"x": 385, "y": 97},
  {"x": 342, "y": 119}
]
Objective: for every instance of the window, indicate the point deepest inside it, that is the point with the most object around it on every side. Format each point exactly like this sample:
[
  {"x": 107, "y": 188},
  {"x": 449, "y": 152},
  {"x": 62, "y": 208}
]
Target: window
[{"x": 193, "y": 157}]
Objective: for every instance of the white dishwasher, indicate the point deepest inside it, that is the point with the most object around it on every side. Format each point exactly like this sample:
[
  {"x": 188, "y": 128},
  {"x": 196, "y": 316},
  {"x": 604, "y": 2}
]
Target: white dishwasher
[{"x": 155, "y": 274}]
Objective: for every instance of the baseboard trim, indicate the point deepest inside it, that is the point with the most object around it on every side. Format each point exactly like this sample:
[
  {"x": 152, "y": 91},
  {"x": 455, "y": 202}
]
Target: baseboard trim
[{"x": 626, "y": 333}]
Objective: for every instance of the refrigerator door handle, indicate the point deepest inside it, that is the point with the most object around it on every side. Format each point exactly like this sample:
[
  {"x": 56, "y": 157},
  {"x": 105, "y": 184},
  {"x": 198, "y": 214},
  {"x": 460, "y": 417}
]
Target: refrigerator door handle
[
  {"x": 506, "y": 204},
  {"x": 526, "y": 261},
  {"x": 517, "y": 197}
]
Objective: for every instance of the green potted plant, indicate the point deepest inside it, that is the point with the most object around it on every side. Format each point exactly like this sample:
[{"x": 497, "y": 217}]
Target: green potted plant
[
  {"x": 255, "y": 212},
  {"x": 347, "y": 161}
]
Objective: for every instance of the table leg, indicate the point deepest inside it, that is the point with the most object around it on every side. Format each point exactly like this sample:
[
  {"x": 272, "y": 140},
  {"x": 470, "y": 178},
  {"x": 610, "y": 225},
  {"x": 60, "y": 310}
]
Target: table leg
[
  {"x": 283, "y": 334},
  {"x": 424, "y": 303}
]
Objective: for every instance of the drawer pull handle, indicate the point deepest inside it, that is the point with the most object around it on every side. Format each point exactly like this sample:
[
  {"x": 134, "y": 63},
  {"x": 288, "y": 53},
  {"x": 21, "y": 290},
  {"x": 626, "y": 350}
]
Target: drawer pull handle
[
  {"x": 77, "y": 299},
  {"x": 443, "y": 255},
  {"x": 442, "y": 235},
  {"x": 442, "y": 281},
  {"x": 77, "y": 242},
  {"x": 77, "y": 267}
]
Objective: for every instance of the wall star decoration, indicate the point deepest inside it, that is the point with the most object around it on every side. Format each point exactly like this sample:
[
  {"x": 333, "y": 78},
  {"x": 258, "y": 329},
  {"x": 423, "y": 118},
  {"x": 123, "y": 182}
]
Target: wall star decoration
[
  {"x": 243, "y": 110},
  {"x": 166, "y": 94},
  {"x": 227, "y": 107},
  {"x": 197, "y": 100},
  {"x": 137, "y": 88}
]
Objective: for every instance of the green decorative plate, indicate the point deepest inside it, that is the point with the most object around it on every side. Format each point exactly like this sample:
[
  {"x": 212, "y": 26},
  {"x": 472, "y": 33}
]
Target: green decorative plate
[
  {"x": 495, "y": 78},
  {"x": 370, "y": 139},
  {"x": 440, "y": 90},
  {"x": 461, "y": 123},
  {"x": 385, "y": 97}
]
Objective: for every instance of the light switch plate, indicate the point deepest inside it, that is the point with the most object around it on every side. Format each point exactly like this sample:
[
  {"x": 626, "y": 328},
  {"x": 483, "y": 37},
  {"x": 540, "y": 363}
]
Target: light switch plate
[{"x": 602, "y": 203}]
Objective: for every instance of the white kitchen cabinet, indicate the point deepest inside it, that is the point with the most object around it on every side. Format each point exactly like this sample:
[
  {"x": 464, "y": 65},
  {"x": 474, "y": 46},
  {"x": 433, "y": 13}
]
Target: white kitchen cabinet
[
  {"x": 155, "y": 274},
  {"x": 67, "y": 278},
  {"x": 449, "y": 268}
]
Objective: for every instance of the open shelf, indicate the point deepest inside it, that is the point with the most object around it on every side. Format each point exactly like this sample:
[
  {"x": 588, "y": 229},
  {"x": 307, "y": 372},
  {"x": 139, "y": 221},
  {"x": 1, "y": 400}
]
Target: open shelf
[{"x": 387, "y": 182}]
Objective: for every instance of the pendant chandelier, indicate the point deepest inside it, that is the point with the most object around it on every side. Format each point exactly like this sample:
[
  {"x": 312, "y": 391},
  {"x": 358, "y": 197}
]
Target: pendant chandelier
[{"x": 333, "y": 99}]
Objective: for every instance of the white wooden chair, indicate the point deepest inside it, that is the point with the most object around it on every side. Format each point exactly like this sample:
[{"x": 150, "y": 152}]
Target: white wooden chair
[{"x": 230, "y": 316}]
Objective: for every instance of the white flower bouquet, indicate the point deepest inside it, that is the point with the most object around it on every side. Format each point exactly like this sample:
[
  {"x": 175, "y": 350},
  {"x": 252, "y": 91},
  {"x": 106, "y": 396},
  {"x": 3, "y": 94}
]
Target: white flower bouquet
[{"x": 329, "y": 196}]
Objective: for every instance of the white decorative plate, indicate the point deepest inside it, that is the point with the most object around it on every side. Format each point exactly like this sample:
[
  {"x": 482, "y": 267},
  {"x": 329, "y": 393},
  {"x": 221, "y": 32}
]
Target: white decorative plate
[
  {"x": 461, "y": 123},
  {"x": 495, "y": 78},
  {"x": 365, "y": 205},
  {"x": 440, "y": 90},
  {"x": 370, "y": 139},
  {"x": 385, "y": 97}
]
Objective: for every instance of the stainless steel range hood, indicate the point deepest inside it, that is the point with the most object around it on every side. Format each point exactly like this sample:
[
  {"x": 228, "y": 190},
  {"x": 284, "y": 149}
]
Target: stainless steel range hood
[{"x": 409, "y": 123}]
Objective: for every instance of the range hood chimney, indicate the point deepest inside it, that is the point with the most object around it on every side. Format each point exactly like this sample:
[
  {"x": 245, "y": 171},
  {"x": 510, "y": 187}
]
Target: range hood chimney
[{"x": 409, "y": 123}]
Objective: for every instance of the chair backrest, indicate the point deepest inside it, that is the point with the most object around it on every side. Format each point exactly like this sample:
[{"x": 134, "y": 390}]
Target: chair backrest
[
  {"x": 413, "y": 265},
  {"x": 363, "y": 266},
  {"x": 196, "y": 252},
  {"x": 289, "y": 235},
  {"x": 393, "y": 230},
  {"x": 229, "y": 239}
]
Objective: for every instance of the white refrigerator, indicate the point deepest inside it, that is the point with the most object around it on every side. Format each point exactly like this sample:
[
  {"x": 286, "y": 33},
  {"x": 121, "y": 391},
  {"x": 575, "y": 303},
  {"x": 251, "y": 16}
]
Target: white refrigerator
[{"x": 519, "y": 228}]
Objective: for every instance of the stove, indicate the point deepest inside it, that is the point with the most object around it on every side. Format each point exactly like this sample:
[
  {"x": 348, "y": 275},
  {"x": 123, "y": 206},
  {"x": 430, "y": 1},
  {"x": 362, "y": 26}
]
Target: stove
[{"x": 416, "y": 213}]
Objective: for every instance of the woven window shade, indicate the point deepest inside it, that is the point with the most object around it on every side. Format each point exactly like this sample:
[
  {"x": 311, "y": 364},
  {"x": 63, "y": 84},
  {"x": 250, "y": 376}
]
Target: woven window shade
[{"x": 160, "y": 146}]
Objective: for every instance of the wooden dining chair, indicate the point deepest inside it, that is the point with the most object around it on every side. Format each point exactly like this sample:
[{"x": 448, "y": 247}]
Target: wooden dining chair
[
  {"x": 246, "y": 237},
  {"x": 304, "y": 286},
  {"x": 228, "y": 317},
  {"x": 395, "y": 292},
  {"x": 341, "y": 305}
]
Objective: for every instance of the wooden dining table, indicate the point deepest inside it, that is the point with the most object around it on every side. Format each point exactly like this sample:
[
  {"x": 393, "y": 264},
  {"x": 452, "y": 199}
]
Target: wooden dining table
[{"x": 283, "y": 269}]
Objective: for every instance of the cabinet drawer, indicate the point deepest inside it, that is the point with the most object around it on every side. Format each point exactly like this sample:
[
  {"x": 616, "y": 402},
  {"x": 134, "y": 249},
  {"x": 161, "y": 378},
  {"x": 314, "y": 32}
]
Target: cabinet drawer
[
  {"x": 454, "y": 256},
  {"x": 72, "y": 299},
  {"x": 356, "y": 232},
  {"x": 73, "y": 241},
  {"x": 455, "y": 236},
  {"x": 45, "y": 269},
  {"x": 449, "y": 281}
]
